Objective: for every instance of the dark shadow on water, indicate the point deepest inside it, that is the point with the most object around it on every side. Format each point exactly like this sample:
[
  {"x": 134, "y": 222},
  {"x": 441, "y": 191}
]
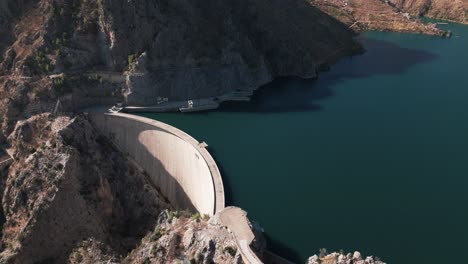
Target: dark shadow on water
[
  {"x": 273, "y": 245},
  {"x": 282, "y": 250},
  {"x": 299, "y": 95}
]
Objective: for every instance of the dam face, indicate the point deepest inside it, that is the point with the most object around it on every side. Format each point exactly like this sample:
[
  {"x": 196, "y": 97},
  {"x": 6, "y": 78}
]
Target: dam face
[{"x": 176, "y": 163}]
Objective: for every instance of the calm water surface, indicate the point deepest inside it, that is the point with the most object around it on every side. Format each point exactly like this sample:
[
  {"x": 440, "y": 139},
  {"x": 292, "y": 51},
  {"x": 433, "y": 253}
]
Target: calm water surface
[{"x": 372, "y": 156}]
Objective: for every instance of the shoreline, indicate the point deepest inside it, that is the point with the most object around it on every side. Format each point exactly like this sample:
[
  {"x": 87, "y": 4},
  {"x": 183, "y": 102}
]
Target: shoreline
[{"x": 242, "y": 95}]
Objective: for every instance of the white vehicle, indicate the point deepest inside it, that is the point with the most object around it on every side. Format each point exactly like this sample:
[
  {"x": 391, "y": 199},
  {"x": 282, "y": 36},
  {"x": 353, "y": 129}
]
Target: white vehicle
[{"x": 115, "y": 109}]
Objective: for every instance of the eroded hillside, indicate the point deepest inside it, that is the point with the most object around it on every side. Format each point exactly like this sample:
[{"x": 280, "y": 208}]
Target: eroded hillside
[{"x": 69, "y": 184}]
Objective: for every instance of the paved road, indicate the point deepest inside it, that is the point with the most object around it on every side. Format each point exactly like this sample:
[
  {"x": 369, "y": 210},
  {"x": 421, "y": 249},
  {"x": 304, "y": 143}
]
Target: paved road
[{"x": 235, "y": 219}]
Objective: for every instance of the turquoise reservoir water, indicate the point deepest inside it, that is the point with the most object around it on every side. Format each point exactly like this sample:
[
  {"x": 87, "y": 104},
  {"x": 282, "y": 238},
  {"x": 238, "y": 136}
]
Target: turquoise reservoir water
[{"x": 373, "y": 156}]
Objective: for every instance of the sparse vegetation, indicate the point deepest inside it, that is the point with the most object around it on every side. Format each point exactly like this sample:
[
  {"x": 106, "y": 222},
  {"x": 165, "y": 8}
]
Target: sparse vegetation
[
  {"x": 41, "y": 62},
  {"x": 131, "y": 59},
  {"x": 77, "y": 257},
  {"x": 205, "y": 217},
  {"x": 61, "y": 84},
  {"x": 170, "y": 216},
  {"x": 200, "y": 257},
  {"x": 9, "y": 245},
  {"x": 157, "y": 234},
  {"x": 196, "y": 217},
  {"x": 95, "y": 78},
  {"x": 158, "y": 251},
  {"x": 230, "y": 250}
]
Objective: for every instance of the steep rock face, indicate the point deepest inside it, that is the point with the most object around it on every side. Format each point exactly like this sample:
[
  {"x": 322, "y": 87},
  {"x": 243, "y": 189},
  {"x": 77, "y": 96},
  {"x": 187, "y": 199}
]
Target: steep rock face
[
  {"x": 200, "y": 49},
  {"x": 455, "y": 10},
  {"x": 68, "y": 185},
  {"x": 193, "y": 49}
]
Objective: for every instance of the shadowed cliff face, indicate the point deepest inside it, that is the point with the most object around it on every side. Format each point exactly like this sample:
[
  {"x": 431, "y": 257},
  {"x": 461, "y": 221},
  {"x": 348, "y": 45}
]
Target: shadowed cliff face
[
  {"x": 204, "y": 48},
  {"x": 185, "y": 49},
  {"x": 203, "y": 33}
]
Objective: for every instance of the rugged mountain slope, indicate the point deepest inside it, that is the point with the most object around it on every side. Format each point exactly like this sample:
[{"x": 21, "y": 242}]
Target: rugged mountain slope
[
  {"x": 375, "y": 15},
  {"x": 454, "y": 10},
  {"x": 193, "y": 52},
  {"x": 68, "y": 185},
  {"x": 185, "y": 49},
  {"x": 184, "y": 239}
]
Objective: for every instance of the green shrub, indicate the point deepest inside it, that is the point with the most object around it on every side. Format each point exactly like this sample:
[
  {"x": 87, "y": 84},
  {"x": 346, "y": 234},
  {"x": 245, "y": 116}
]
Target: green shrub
[
  {"x": 196, "y": 217},
  {"x": 170, "y": 216},
  {"x": 41, "y": 63},
  {"x": 157, "y": 234},
  {"x": 131, "y": 59},
  {"x": 232, "y": 251},
  {"x": 61, "y": 84}
]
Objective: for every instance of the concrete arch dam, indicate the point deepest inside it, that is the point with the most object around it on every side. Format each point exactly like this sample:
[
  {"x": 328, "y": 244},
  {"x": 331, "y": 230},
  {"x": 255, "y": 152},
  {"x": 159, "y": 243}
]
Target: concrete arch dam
[{"x": 176, "y": 163}]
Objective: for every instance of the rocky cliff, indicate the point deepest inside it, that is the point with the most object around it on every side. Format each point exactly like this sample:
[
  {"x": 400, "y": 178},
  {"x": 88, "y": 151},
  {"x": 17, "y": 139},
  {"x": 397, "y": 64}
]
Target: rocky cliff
[
  {"x": 191, "y": 52},
  {"x": 178, "y": 50},
  {"x": 69, "y": 185}
]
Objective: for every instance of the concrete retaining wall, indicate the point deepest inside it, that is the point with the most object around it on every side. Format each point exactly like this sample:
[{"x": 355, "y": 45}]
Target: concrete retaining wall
[{"x": 178, "y": 164}]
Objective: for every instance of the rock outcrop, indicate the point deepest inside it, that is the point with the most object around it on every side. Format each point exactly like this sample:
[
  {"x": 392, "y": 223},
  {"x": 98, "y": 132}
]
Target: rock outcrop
[
  {"x": 342, "y": 258},
  {"x": 69, "y": 185},
  {"x": 185, "y": 238}
]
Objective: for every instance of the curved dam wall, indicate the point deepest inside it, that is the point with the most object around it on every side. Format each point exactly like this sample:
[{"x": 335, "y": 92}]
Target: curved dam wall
[{"x": 176, "y": 163}]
